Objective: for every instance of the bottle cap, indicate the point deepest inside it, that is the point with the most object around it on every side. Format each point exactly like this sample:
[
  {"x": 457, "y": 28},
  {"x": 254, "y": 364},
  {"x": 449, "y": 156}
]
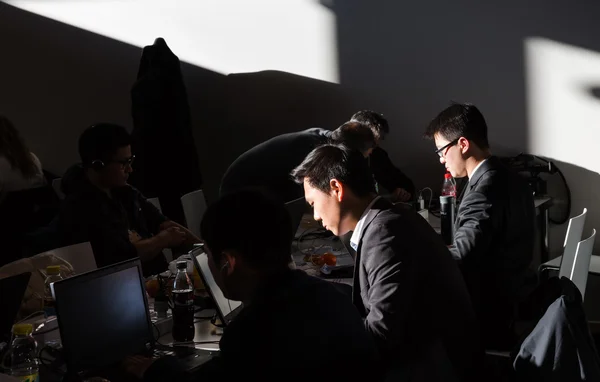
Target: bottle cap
[
  {"x": 182, "y": 265},
  {"x": 447, "y": 175},
  {"x": 53, "y": 270},
  {"x": 22, "y": 329}
]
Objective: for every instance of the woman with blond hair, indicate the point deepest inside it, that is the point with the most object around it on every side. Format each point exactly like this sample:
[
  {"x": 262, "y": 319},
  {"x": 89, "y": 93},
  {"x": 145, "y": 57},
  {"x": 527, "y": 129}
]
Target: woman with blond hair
[{"x": 19, "y": 168}]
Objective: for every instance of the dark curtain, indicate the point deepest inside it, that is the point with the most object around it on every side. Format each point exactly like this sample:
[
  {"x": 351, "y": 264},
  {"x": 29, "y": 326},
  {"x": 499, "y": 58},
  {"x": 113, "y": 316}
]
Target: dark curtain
[{"x": 166, "y": 164}]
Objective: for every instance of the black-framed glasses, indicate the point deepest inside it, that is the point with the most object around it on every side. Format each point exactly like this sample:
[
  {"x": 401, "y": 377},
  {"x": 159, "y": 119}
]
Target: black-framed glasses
[
  {"x": 441, "y": 151},
  {"x": 125, "y": 162}
]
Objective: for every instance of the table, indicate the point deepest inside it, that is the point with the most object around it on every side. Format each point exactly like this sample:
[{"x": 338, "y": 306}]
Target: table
[
  {"x": 542, "y": 204},
  {"x": 554, "y": 264}
]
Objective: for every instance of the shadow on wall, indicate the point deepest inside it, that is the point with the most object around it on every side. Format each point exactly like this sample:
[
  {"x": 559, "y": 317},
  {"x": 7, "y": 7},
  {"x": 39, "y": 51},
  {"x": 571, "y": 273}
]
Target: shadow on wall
[{"x": 59, "y": 79}]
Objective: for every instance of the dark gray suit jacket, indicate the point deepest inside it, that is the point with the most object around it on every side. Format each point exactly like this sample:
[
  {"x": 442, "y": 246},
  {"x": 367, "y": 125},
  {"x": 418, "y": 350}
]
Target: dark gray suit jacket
[
  {"x": 494, "y": 241},
  {"x": 413, "y": 297}
]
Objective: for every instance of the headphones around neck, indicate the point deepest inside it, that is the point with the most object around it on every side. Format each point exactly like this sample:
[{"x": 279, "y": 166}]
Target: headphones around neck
[
  {"x": 97, "y": 164},
  {"x": 224, "y": 266}
]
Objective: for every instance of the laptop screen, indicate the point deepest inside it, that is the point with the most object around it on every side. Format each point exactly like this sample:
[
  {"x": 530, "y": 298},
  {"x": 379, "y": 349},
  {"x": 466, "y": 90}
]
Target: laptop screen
[
  {"x": 225, "y": 307},
  {"x": 103, "y": 316}
]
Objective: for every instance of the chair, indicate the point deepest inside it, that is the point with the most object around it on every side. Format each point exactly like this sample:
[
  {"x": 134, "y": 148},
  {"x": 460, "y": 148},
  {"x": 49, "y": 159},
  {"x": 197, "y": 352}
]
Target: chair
[
  {"x": 56, "y": 183},
  {"x": 572, "y": 239},
  {"x": 79, "y": 255},
  {"x": 565, "y": 262},
  {"x": 194, "y": 206},
  {"x": 581, "y": 265},
  {"x": 155, "y": 202}
]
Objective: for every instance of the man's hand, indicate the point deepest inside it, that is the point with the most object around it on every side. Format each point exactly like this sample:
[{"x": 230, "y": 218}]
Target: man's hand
[
  {"x": 401, "y": 195},
  {"x": 134, "y": 237},
  {"x": 173, "y": 236},
  {"x": 168, "y": 224},
  {"x": 137, "y": 365}
]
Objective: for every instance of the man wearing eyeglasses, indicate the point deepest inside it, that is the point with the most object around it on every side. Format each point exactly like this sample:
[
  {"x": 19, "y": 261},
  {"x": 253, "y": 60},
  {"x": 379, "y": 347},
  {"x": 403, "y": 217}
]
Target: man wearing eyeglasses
[
  {"x": 100, "y": 207},
  {"x": 495, "y": 223}
]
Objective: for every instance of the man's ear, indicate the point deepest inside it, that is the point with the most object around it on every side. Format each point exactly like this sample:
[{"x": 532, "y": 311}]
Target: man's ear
[
  {"x": 337, "y": 189},
  {"x": 464, "y": 145},
  {"x": 228, "y": 261}
]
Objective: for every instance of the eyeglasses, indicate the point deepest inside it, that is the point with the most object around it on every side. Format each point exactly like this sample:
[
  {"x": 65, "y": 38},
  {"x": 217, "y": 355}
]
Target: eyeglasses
[
  {"x": 442, "y": 150},
  {"x": 125, "y": 162}
]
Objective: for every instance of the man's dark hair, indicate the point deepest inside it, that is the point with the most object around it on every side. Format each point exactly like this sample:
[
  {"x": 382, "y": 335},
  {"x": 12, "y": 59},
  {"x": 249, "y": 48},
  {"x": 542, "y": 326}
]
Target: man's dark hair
[
  {"x": 354, "y": 135},
  {"x": 375, "y": 121},
  {"x": 252, "y": 224},
  {"x": 101, "y": 141},
  {"x": 460, "y": 120},
  {"x": 339, "y": 162}
]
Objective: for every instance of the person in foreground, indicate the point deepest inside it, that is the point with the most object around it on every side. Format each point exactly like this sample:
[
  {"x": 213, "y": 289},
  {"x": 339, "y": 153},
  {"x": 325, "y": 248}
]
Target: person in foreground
[
  {"x": 406, "y": 285},
  {"x": 292, "y": 327},
  {"x": 495, "y": 224},
  {"x": 100, "y": 207},
  {"x": 384, "y": 171}
]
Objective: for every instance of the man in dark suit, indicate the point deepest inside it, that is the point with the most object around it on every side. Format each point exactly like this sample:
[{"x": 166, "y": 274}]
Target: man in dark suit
[
  {"x": 386, "y": 174},
  {"x": 292, "y": 327},
  {"x": 268, "y": 165},
  {"x": 406, "y": 286},
  {"x": 495, "y": 223}
]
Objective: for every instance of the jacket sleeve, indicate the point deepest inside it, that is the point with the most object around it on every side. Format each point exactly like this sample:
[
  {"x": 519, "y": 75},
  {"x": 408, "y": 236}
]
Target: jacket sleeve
[
  {"x": 388, "y": 175},
  {"x": 474, "y": 226},
  {"x": 392, "y": 278},
  {"x": 81, "y": 222},
  {"x": 154, "y": 218}
]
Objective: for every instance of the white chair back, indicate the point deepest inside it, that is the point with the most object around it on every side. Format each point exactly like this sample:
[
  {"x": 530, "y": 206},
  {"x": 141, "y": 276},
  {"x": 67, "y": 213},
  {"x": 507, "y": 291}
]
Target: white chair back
[
  {"x": 56, "y": 187},
  {"x": 194, "y": 206},
  {"x": 581, "y": 266},
  {"x": 155, "y": 202},
  {"x": 79, "y": 255},
  {"x": 572, "y": 239}
]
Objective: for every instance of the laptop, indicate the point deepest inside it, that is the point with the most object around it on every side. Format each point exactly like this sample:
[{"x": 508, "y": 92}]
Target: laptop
[
  {"x": 12, "y": 290},
  {"x": 103, "y": 318},
  {"x": 296, "y": 208},
  {"x": 226, "y": 309}
]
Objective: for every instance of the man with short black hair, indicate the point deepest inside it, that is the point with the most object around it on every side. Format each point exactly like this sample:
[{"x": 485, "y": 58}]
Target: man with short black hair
[
  {"x": 495, "y": 224},
  {"x": 386, "y": 174},
  {"x": 406, "y": 286},
  {"x": 100, "y": 207},
  {"x": 292, "y": 326}
]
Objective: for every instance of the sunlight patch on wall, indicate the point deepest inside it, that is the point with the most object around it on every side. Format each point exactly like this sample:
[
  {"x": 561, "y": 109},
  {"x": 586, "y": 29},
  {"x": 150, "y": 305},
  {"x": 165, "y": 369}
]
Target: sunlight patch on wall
[
  {"x": 563, "y": 90},
  {"x": 225, "y": 36}
]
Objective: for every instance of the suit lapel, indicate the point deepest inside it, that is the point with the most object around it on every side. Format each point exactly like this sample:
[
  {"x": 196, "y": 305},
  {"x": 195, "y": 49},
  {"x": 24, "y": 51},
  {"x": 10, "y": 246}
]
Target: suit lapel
[{"x": 376, "y": 208}]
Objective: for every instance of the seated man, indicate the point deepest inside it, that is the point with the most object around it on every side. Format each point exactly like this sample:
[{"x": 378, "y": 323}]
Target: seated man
[
  {"x": 293, "y": 326},
  {"x": 100, "y": 207},
  {"x": 409, "y": 290},
  {"x": 268, "y": 164},
  {"x": 495, "y": 224},
  {"x": 386, "y": 174}
]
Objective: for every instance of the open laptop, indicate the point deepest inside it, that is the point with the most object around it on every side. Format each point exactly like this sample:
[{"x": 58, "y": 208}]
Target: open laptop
[
  {"x": 103, "y": 318},
  {"x": 12, "y": 290},
  {"x": 226, "y": 309}
]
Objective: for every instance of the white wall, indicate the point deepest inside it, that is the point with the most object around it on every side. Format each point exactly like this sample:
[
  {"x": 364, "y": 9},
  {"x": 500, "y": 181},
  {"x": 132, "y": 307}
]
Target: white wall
[{"x": 405, "y": 59}]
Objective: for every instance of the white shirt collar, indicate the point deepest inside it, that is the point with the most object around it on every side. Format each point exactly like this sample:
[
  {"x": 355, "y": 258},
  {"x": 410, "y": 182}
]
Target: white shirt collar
[
  {"x": 355, "y": 239},
  {"x": 477, "y": 168}
]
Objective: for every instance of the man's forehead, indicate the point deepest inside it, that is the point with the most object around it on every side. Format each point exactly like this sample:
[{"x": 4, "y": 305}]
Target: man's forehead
[{"x": 439, "y": 139}]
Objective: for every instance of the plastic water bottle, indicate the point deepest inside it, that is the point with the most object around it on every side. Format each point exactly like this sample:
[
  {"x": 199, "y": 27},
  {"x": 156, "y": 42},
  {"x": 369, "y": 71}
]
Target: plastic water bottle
[
  {"x": 52, "y": 275},
  {"x": 183, "y": 305},
  {"x": 24, "y": 364},
  {"x": 449, "y": 186}
]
